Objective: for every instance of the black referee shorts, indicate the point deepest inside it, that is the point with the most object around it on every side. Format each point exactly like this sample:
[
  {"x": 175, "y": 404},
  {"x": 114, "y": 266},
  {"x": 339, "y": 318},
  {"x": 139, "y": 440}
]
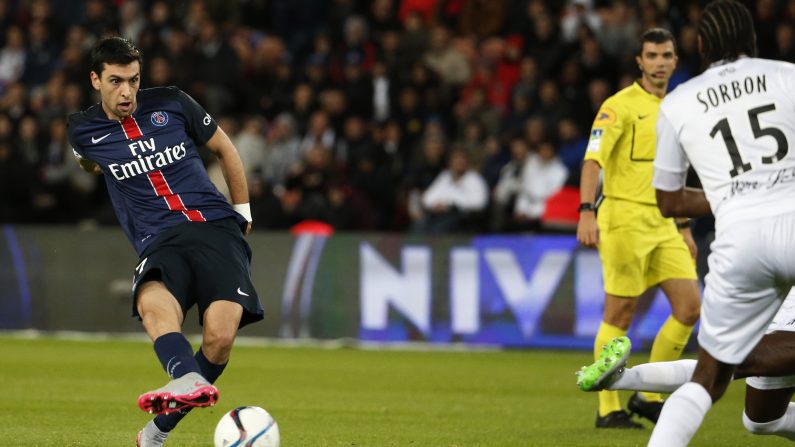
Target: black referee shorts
[{"x": 201, "y": 262}]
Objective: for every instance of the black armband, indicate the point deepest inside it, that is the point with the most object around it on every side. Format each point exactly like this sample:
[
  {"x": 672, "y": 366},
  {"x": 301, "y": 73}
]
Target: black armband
[{"x": 586, "y": 206}]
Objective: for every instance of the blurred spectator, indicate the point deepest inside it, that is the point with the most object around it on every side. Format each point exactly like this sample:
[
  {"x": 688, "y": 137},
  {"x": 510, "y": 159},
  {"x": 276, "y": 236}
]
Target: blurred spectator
[
  {"x": 449, "y": 64},
  {"x": 318, "y": 134},
  {"x": 473, "y": 107},
  {"x": 471, "y": 142},
  {"x": 549, "y": 104},
  {"x": 495, "y": 159},
  {"x": 410, "y": 115},
  {"x": 368, "y": 171},
  {"x": 14, "y": 102},
  {"x": 619, "y": 29},
  {"x": 12, "y": 57},
  {"x": 303, "y": 104},
  {"x": 509, "y": 186},
  {"x": 132, "y": 20},
  {"x": 571, "y": 148},
  {"x": 421, "y": 173},
  {"x": 382, "y": 17},
  {"x": 535, "y": 131},
  {"x": 381, "y": 89},
  {"x": 455, "y": 200},
  {"x": 355, "y": 50},
  {"x": 544, "y": 44},
  {"x": 543, "y": 176},
  {"x": 28, "y": 143},
  {"x": 99, "y": 19},
  {"x": 41, "y": 57},
  {"x": 414, "y": 41},
  {"x": 785, "y": 42},
  {"x": 281, "y": 150},
  {"x": 577, "y": 14},
  {"x": 159, "y": 72},
  {"x": 69, "y": 190},
  {"x": 217, "y": 71},
  {"x": 251, "y": 145}
]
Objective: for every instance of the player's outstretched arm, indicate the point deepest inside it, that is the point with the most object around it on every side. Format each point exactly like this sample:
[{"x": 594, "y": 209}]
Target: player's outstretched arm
[
  {"x": 232, "y": 168},
  {"x": 684, "y": 202}
]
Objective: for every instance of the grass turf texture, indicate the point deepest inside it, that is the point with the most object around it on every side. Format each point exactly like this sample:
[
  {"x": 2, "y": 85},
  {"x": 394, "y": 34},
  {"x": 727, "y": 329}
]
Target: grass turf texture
[{"x": 82, "y": 393}]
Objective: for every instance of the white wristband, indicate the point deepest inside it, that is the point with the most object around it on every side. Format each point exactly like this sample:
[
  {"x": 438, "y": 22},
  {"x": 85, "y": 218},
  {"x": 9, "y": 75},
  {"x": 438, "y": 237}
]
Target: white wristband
[{"x": 244, "y": 210}]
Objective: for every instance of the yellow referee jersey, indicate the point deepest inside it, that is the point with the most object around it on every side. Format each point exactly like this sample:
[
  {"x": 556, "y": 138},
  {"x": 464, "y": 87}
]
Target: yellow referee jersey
[{"x": 623, "y": 140}]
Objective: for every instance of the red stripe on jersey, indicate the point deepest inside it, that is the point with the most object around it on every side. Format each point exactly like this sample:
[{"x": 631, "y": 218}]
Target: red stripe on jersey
[
  {"x": 131, "y": 129},
  {"x": 174, "y": 201}
]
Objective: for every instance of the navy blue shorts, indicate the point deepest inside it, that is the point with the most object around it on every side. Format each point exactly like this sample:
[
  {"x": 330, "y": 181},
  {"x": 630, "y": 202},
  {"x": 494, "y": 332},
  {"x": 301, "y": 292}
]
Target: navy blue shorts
[{"x": 202, "y": 262}]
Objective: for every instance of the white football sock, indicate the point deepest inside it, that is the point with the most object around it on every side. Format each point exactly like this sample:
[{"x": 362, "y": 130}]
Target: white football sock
[
  {"x": 681, "y": 416},
  {"x": 658, "y": 377},
  {"x": 783, "y": 426}
]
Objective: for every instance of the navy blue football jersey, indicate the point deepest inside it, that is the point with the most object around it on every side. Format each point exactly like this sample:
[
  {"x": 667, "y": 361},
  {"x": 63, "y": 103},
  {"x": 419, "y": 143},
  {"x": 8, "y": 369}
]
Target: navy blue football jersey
[{"x": 153, "y": 172}]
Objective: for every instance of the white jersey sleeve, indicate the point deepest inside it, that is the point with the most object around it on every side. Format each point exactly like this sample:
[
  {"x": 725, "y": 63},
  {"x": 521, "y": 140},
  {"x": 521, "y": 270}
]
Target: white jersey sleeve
[{"x": 670, "y": 163}]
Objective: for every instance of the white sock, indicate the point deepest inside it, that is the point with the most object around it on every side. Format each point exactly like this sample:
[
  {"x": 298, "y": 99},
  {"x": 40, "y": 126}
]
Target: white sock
[
  {"x": 783, "y": 426},
  {"x": 658, "y": 377},
  {"x": 681, "y": 416}
]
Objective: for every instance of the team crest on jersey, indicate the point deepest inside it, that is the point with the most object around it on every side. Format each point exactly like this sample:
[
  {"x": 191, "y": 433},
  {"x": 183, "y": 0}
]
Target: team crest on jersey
[
  {"x": 604, "y": 117},
  {"x": 159, "y": 118}
]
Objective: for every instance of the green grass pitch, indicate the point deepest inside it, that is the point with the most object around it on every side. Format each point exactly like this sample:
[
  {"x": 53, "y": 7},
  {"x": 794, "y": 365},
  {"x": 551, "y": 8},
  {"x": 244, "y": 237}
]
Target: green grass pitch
[{"x": 83, "y": 393}]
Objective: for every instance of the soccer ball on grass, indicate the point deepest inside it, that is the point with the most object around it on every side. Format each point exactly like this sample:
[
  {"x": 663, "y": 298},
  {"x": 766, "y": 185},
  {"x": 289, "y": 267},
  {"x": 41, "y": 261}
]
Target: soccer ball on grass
[{"x": 247, "y": 426}]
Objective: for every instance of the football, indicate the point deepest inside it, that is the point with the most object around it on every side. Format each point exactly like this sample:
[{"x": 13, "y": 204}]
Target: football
[{"x": 247, "y": 426}]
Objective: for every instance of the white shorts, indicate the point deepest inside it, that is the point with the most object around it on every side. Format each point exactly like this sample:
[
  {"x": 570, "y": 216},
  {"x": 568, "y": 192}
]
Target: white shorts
[
  {"x": 783, "y": 321},
  {"x": 751, "y": 270}
]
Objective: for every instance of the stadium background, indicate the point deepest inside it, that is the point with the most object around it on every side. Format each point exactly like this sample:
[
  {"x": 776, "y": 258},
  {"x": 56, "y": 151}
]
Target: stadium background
[
  {"x": 344, "y": 112},
  {"x": 341, "y": 109}
]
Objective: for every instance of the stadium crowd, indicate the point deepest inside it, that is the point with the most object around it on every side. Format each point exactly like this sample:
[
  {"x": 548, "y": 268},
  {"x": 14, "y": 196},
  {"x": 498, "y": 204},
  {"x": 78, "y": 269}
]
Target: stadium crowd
[{"x": 392, "y": 115}]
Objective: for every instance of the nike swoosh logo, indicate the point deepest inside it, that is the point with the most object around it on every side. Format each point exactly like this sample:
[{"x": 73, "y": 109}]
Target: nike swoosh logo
[
  {"x": 240, "y": 292},
  {"x": 97, "y": 140},
  {"x": 640, "y": 117}
]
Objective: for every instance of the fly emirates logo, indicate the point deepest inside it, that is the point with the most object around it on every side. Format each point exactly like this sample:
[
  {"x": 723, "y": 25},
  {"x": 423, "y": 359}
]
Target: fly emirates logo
[{"x": 147, "y": 159}]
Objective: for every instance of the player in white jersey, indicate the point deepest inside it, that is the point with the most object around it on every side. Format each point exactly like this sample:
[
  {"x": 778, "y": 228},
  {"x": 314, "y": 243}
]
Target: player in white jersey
[
  {"x": 734, "y": 125},
  {"x": 769, "y": 369}
]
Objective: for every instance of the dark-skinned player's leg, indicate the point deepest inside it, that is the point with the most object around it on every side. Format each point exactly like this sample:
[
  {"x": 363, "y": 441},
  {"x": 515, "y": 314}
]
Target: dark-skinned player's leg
[{"x": 684, "y": 411}]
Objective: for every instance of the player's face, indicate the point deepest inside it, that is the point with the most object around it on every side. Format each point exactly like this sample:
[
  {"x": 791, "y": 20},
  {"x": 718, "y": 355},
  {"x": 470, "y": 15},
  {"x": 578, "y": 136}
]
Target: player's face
[
  {"x": 657, "y": 62},
  {"x": 118, "y": 85}
]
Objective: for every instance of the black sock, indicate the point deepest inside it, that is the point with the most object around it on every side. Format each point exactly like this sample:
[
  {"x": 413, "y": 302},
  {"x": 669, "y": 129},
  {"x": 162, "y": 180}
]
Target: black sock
[
  {"x": 175, "y": 354},
  {"x": 210, "y": 371}
]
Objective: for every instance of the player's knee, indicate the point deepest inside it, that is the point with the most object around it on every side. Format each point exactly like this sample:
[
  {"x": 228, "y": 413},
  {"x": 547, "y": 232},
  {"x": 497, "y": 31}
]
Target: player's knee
[
  {"x": 686, "y": 312},
  {"x": 688, "y": 315},
  {"x": 219, "y": 340},
  {"x": 760, "y": 428}
]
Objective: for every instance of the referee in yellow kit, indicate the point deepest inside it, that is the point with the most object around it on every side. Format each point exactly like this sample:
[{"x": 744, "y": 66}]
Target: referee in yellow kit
[{"x": 638, "y": 247}]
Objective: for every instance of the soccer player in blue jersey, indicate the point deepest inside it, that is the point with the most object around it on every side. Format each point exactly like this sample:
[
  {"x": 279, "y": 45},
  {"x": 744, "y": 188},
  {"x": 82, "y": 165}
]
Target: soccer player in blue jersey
[{"x": 189, "y": 238}]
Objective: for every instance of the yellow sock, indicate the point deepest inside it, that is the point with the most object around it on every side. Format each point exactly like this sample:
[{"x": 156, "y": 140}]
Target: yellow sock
[
  {"x": 668, "y": 345},
  {"x": 608, "y": 400}
]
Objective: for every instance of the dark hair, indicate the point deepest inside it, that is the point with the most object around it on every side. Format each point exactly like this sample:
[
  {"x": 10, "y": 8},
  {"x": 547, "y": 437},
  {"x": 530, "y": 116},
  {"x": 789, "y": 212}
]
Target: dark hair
[
  {"x": 113, "y": 50},
  {"x": 727, "y": 31},
  {"x": 657, "y": 35}
]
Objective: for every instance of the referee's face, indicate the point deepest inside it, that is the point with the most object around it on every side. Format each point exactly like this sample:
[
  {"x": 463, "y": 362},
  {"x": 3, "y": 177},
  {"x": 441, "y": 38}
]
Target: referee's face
[
  {"x": 657, "y": 62},
  {"x": 118, "y": 85}
]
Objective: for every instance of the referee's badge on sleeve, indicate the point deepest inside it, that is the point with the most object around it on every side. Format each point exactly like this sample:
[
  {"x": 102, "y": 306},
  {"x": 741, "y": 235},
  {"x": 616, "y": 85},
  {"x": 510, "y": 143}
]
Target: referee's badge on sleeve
[
  {"x": 605, "y": 117},
  {"x": 595, "y": 140}
]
